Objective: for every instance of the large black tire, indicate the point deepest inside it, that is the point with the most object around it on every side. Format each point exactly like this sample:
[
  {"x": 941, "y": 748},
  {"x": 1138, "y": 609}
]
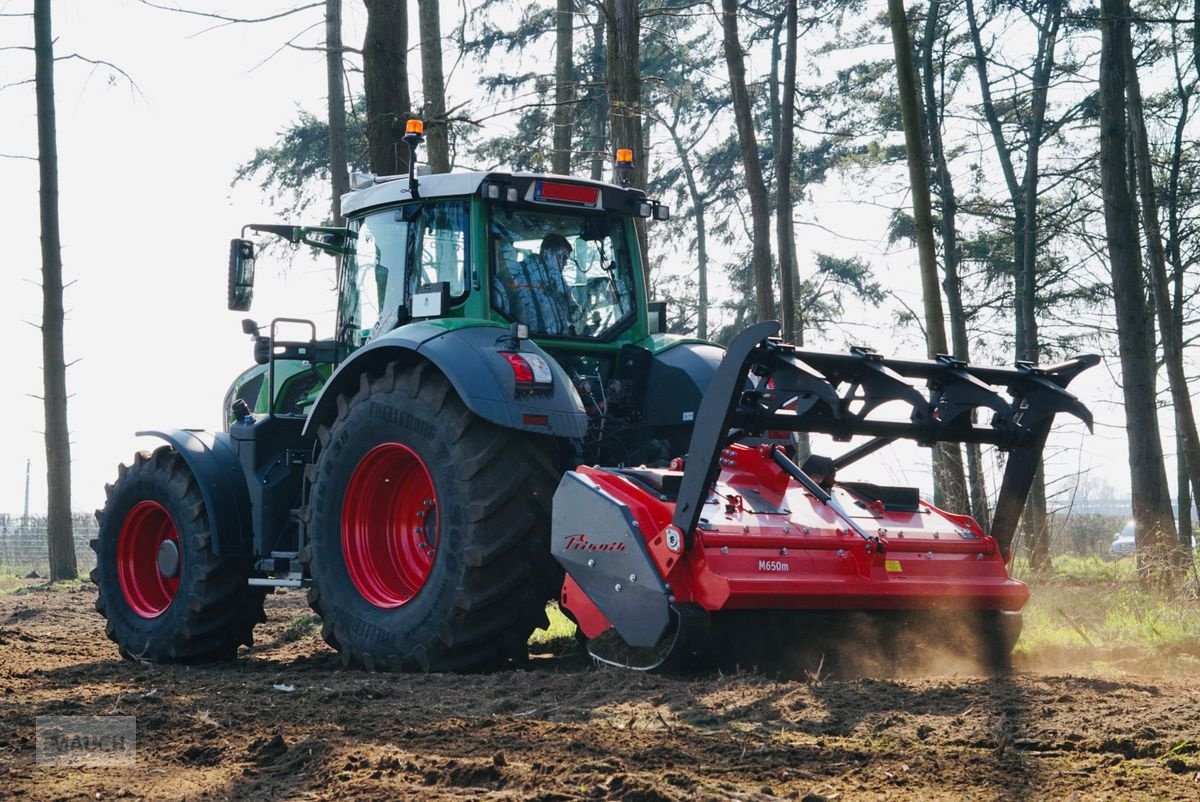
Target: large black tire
[
  {"x": 201, "y": 613},
  {"x": 428, "y": 529}
]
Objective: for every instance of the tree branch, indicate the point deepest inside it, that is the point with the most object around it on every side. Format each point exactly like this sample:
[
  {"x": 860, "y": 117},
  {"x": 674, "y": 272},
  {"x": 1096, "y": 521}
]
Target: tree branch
[
  {"x": 16, "y": 83},
  {"x": 230, "y": 20},
  {"x": 285, "y": 45}
]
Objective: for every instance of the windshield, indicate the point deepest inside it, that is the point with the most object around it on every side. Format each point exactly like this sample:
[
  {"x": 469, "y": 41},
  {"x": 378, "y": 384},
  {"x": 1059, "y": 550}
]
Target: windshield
[{"x": 563, "y": 274}]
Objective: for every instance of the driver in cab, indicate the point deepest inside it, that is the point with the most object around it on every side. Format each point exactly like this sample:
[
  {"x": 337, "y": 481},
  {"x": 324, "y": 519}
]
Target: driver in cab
[{"x": 537, "y": 290}]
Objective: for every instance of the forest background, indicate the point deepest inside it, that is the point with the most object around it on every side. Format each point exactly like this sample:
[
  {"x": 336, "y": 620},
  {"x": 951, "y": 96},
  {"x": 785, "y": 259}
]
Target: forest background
[{"x": 159, "y": 111}]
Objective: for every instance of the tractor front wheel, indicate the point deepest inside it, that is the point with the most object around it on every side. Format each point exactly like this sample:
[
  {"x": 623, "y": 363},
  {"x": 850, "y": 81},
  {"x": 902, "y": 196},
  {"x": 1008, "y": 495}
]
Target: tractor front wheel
[
  {"x": 166, "y": 595},
  {"x": 428, "y": 530}
]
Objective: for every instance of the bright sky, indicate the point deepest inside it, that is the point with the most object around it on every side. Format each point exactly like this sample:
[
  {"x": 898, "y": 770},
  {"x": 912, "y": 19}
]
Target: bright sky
[{"x": 147, "y": 212}]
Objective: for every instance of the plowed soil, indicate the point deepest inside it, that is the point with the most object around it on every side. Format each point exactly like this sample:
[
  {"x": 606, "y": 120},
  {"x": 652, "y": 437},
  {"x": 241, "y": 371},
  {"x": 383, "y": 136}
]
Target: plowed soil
[{"x": 287, "y": 722}]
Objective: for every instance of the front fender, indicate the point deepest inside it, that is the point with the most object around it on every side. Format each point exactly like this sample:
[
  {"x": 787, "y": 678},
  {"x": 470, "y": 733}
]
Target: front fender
[
  {"x": 468, "y": 356},
  {"x": 213, "y": 461}
]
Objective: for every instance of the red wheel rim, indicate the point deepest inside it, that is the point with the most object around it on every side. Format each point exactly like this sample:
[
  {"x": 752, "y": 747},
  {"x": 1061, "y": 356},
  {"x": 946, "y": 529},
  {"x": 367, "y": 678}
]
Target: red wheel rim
[
  {"x": 389, "y": 525},
  {"x": 145, "y": 529}
]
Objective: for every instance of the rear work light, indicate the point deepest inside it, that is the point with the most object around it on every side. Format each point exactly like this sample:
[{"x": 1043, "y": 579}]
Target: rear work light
[
  {"x": 530, "y": 371},
  {"x": 494, "y": 191}
]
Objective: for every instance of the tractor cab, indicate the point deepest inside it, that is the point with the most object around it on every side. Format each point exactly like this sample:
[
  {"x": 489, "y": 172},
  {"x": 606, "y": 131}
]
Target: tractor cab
[{"x": 556, "y": 256}]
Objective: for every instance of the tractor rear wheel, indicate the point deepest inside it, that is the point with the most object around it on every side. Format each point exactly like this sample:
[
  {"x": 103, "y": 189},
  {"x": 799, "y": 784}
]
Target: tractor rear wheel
[
  {"x": 166, "y": 595},
  {"x": 428, "y": 530}
]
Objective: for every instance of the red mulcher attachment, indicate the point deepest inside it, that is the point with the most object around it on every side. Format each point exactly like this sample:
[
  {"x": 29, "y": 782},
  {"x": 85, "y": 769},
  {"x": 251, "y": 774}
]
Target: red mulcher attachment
[{"x": 667, "y": 568}]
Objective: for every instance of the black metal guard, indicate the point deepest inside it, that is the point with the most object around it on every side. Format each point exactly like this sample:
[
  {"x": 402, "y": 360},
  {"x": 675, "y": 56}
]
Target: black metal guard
[{"x": 837, "y": 393}]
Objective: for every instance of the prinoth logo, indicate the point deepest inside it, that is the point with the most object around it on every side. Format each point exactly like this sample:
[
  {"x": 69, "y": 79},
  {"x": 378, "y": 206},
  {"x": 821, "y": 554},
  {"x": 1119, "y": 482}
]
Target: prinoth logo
[
  {"x": 580, "y": 542},
  {"x": 773, "y": 565}
]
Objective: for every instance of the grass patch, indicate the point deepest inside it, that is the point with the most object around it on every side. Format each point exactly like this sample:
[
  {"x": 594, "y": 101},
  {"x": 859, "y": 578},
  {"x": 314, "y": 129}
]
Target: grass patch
[
  {"x": 300, "y": 627},
  {"x": 1086, "y": 611},
  {"x": 1071, "y": 567},
  {"x": 556, "y": 638}
]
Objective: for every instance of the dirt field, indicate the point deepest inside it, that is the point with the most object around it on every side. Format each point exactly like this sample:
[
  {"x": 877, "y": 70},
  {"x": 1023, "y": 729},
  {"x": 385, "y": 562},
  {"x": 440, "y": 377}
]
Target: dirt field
[{"x": 563, "y": 730}]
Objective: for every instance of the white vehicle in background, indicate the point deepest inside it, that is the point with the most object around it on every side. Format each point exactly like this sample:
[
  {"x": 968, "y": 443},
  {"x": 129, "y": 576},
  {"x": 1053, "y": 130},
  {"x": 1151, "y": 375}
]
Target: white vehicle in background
[{"x": 1123, "y": 544}]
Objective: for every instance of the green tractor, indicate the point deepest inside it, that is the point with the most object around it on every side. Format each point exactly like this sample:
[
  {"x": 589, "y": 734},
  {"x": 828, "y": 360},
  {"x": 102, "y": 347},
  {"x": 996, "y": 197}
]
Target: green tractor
[
  {"x": 434, "y": 473},
  {"x": 493, "y": 331}
]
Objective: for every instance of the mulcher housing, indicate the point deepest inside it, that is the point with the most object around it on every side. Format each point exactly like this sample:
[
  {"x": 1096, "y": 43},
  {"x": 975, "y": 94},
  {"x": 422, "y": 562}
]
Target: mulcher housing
[{"x": 647, "y": 551}]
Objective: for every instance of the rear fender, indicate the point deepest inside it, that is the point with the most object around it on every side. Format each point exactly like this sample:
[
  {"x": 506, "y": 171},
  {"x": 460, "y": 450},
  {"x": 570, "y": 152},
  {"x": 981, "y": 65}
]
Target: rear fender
[
  {"x": 213, "y": 461},
  {"x": 470, "y": 359}
]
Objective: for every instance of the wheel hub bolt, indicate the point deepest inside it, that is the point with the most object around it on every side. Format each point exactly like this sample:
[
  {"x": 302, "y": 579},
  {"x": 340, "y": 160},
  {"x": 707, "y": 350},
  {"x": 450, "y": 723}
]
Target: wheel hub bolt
[{"x": 168, "y": 559}]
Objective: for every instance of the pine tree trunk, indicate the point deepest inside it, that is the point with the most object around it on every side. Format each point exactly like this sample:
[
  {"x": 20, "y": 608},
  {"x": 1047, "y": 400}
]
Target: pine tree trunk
[
  {"x": 59, "y": 538},
  {"x": 760, "y": 214},
  {"x": 624, "y": 65},
  {"x": 564, "y": 87},
  {"x": 385, "y": 84},
  {"x": 598, "y": 97},
  {"x": 338, "y": 157},
  {"x": 785, "y": 230},
  {"x": 1037, "y": 524},
  {"x": 943, "y": 180},
  {"x": 950, "y": 486},
  {"x": 1175, "y": 235},
  {"x": 1024, "y": 204},
  {"x": 1160, "y": 289},
  {"x": 699, "y": 210},
  {"x": 1183, "y": 505},
  {"x": 1148, "y": 478},
  {"x": 433, "y": 84}
]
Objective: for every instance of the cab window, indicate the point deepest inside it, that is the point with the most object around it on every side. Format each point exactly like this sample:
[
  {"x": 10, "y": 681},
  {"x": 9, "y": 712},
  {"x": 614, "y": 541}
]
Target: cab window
[
  {"x": 376, "y": 274},
  {"x": 441, "y": 245},
  {"x": 563, "y": 274}
]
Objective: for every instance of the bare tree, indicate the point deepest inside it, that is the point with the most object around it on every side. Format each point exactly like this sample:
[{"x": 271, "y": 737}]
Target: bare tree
[
  {"x": 385, "y": 84},
  {"x": 433, "y": 85},
  {"x": 683, "y": 150},
  {"x": 1154, "y": 526},
  {"x": 1024, "y": 198},
  {"x": 624, "y": 71},
  {"x": 596, "y": 98},
  {"x": 1171, "y": 340},
  {"x": 337, "y": 108},
  {"x": 950, "y": 486},
  {"x": 756, "y": 188},
  {"x": 785, "y": 229},
  {"x": 944, "y": 183},
  {"x": 54, "y": 399},
  {"x": 564, "y": 86}
]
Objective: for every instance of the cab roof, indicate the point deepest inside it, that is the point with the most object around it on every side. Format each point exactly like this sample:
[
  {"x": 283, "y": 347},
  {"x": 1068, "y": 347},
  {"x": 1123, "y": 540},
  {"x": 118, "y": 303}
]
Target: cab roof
[{"x": 394, "y": 188}]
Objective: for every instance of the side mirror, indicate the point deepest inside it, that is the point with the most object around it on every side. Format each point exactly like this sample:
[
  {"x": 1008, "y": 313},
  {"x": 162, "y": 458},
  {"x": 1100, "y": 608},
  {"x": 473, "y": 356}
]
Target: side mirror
[
  {"x": 656, "y": 312},
  {"x": 241, "y": 274}
]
